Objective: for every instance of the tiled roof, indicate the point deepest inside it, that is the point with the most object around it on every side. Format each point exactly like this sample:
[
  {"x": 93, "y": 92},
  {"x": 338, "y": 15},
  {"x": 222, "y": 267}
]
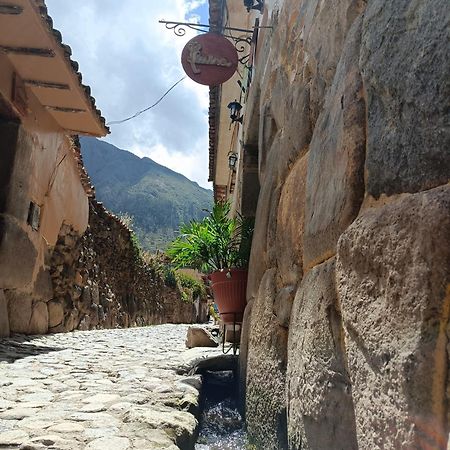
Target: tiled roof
[
  {"x": 82, "y": 172},
  {"x": 74, "y": 64}
]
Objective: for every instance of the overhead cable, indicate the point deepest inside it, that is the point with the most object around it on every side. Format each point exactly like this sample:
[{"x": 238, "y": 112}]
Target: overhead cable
[{"x": 116, "y": 122}]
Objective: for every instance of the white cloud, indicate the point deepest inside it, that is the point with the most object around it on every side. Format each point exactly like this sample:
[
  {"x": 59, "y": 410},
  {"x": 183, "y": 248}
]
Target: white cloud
[{"x": 130, "y": 60}]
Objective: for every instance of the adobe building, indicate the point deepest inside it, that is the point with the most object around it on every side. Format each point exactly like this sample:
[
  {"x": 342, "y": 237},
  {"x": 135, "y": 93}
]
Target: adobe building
[
  {"x": 343, "y": 158},
  {"x": 43, "y": 186}
]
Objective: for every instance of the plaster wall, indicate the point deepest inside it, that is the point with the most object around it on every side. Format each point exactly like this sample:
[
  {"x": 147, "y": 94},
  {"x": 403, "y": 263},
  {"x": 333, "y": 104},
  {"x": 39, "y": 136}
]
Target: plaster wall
[
  {"x": 345, "y": 341},
  {"x": 228, "y": 135}
]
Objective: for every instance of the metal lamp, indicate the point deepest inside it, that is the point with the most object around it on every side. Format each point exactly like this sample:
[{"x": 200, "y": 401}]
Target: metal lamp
[
  {"x": 235, "y": 111},
  {"x": 232, "y": 160},
  {"x": 250, "y": 4}
]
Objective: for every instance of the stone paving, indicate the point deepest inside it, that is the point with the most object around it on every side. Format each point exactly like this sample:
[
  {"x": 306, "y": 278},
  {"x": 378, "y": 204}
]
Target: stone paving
[{"x": 99, "y": 390}]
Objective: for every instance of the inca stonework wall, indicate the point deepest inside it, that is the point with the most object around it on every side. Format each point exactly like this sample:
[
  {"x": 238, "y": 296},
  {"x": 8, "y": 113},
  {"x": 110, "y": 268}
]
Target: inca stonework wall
[{"x": 346, "y": 335}]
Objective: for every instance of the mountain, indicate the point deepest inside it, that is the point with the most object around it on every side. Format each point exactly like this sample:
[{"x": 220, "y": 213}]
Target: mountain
[{"x": 157, "y": 198}]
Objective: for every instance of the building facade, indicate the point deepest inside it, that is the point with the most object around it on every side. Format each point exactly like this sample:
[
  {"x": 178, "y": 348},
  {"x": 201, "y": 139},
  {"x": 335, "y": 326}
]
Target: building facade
[
  {"x": 43, "y": 185},
  {"x": 343, "y": 159}
]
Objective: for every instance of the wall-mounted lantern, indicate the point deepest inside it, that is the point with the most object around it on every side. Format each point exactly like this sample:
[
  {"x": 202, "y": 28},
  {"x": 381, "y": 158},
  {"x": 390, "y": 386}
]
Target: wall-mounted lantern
[
  {"x": 232, "y": 160},
  {"x": 235, "y": 111},
  {"x": 254, "y": 4}
]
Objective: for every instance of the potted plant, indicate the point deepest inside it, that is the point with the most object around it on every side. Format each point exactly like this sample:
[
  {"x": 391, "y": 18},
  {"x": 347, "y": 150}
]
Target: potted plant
[{"x": 218, "y": 245}]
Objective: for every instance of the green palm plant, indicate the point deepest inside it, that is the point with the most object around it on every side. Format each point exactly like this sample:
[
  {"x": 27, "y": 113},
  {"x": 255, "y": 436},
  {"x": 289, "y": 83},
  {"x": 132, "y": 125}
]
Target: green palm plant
[{"x": 214, "y": 243}]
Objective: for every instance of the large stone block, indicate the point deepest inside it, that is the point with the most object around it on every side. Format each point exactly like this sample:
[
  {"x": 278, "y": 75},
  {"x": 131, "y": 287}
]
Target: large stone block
[
  {"x": 290, "y": 225},
  {"x": 320, "y": 407},
  {"x": 200, "y": 337},
  {"x": 55, "y": 313},
  {"x": 43, "y": 288},
  {"x": 324, "y": 29},
  {"x": 266, "y": 369},
  {"x": 243, "y": 354},
  {"x": 259, "y": 259},
  {"x": 17, "y": 255},
  {"x": 393, "y": 278},
  {"x": 4, "y": 320},
  {"x": 405, "y": 59},
  {"x": 20, "y": 307},
  {"x": 39, "y": 319},
  {"x": 335, "y": 180}
]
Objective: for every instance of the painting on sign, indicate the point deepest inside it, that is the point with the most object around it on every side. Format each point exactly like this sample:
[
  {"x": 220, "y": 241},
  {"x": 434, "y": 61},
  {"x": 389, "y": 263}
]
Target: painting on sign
[{"x": 209, "y": 59}]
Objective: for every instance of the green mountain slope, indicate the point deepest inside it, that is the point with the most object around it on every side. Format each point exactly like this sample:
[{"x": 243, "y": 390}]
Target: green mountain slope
[{"x": 157, "y": 198}]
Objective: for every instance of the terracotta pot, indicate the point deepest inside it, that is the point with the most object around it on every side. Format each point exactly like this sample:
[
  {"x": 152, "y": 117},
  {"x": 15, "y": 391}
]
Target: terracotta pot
[{"x": 229, "y": 287}]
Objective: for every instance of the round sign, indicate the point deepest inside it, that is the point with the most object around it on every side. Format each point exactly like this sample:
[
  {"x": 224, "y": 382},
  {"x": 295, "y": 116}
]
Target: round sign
[{"x": 209, "y": 59}]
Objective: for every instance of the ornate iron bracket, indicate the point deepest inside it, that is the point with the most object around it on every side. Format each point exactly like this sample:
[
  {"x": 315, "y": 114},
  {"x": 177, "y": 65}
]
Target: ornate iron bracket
[{"x": 241, "y": 44}]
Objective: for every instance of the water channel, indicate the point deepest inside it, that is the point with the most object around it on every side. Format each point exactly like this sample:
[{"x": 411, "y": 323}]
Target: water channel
[{"x": 221, "y": 425}]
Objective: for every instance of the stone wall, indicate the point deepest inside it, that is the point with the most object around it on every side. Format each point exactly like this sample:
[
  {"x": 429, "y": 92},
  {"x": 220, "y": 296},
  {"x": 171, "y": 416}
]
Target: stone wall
[
  {"x": 101, "y": 281},
  {"x": 346, "y": 334}
]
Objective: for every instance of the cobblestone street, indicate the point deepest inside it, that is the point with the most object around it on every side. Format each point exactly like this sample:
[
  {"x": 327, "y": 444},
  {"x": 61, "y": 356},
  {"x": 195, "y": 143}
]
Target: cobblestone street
[{"x": 98, "y": 390}]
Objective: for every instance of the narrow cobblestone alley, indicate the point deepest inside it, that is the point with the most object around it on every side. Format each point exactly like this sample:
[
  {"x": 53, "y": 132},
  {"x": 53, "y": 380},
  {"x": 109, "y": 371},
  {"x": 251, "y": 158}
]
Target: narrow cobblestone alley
[{"x": 98, "y": 390}]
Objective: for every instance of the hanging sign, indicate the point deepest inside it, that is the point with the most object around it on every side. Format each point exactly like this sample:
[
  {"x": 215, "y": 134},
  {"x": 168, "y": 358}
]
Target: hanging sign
[{"x": 209, "y": 59}]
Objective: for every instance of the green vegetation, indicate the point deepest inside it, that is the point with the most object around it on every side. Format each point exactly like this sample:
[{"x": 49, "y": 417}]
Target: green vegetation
[
  {"x": 216, "y": 242},
  {"x": 191, "y": 284},
  {"x": 188, "y": 286},
  {"x": 156, "y": 198}
]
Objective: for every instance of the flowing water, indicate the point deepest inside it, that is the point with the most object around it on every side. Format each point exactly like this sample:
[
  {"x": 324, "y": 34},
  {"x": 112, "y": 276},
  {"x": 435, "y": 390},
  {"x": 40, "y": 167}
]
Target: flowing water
[{"x": 221, "y": 425}]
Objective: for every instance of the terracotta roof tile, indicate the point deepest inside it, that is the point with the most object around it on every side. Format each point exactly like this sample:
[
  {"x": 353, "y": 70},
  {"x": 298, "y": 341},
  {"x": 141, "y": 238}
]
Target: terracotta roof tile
[{"x": 74, "y": 64}]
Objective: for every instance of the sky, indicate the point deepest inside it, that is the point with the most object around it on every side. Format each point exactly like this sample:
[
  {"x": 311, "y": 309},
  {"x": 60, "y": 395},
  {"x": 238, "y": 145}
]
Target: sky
[{"x": 129, "y": 60}]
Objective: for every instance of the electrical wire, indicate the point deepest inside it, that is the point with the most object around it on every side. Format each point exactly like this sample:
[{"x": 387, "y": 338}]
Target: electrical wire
[{"x": 116, "y": 122}]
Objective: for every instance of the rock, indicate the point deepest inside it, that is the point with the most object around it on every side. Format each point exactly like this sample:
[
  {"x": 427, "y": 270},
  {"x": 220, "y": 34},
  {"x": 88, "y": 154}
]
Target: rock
[
  {"x": 4, "y": 320},
  {"x": 39, "y": 319},
  {"x": 194, "y": 381},
  {"x": 320, "y": 407},
  {"x": 32, "y": 447},
  {"x": 12, "y": 438},
  {"x": 17, "y": 413},
  {"x": 199, "y": 337},
  {"x": 55, "y": 314},
  {"x": 283, "y": 305},
  {"x": 66, "y": 427},
  {"x": 17, "y": 255},
  {"x": 259, "y": 254},
  {"x": 179, "y": 425},
  {"x": 85, "y": 323},
  {"x": 95, "y": 294},
  {"x": 19, "y": 311},
  {"x": 266, "y": 370},
  {"x": 93, "y": 408},
  {"x": 290, "y": 225},
  {"x": 393, "y": 273},
  {"x": 97, "y": 433},
  {"x": 110, "y": 443},
  {"x": 243, "y": 355},
  {"x": 406, "y": 70},
  {"x": 71, "y": 320},
  {"x": 102, "y": 399},
  {"x": 158, "y": 439},
  {"x": 43, "y": 288},
  {"x": 335, "y": 180}
]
